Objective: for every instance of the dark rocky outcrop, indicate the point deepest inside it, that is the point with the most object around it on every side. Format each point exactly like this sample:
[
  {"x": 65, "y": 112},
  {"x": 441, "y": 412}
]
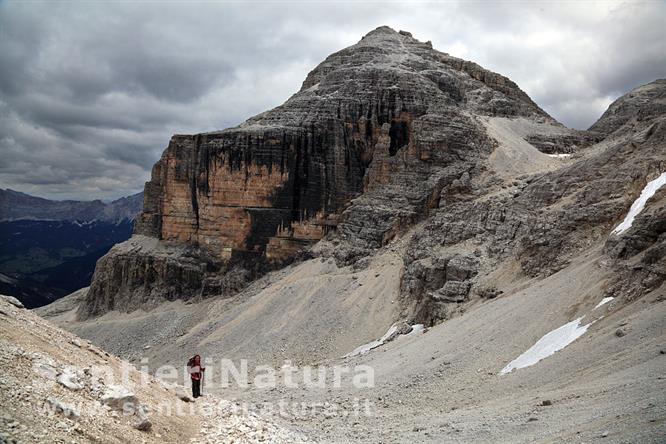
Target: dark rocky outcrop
[
  {"x": 558, "y": 144},
  {"x": 161, "y": 272}
]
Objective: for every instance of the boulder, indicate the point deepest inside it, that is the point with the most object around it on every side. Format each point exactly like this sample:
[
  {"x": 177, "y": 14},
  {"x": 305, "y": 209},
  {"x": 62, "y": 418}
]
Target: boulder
[
  {"x": 183, "y": 395},
  {"x": 142, "y": 422},
  {"x": 120, "y": 398},
  {"x": 69, "y": 379},
  {"x": 452, "y": 291},
  {"x": 63, "y": 408},
  {"x": 45, "y": 368},
  {"x": 460, "y": 268}
]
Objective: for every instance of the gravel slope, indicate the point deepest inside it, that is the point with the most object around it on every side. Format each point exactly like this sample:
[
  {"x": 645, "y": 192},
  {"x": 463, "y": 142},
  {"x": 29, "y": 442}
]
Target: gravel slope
[
  {"x": 36, "y": 406},
  {"x": 444, "y": 385}
]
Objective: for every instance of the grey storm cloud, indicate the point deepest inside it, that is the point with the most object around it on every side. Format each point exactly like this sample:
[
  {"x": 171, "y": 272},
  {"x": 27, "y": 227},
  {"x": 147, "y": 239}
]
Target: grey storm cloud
[{"x": 90, "y": 92}]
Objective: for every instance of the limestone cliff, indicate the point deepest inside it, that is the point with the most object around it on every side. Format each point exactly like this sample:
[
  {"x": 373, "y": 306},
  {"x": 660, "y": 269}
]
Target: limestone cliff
[
  {"x": 388, "y": 111},
  {"x": 359, "y": 154}
]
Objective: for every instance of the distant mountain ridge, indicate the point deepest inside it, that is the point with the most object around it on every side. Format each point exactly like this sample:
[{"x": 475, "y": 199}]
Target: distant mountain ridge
[
  {"x": 49, "y": 248},
  {"x": 15, "y": 205}
]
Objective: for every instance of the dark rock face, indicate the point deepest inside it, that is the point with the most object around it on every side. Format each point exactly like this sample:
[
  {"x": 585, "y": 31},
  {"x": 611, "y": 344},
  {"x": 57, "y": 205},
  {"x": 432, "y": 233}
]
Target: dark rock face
[
  {"x": 161, "y": 272},
  {"x": 564, "y": 144},
  {"x": 644, "y": 234},
  {"x": 639, "y": 255}
]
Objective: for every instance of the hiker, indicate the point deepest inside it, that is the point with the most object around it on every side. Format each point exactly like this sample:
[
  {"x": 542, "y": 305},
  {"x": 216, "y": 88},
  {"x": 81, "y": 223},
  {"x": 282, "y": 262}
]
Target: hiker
[{"x": 196, "y": 372}]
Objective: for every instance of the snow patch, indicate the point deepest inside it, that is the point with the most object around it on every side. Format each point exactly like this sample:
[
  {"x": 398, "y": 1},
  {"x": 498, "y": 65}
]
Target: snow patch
[
  {"x": 603, "y": 301},
  {"x": 639, "y": 203},
  {"x": 388, "y": 336},
  {"x": 559, "y": 156},
  {"x": 548, "y": 345},
  {"x": 365, "y": 348}
]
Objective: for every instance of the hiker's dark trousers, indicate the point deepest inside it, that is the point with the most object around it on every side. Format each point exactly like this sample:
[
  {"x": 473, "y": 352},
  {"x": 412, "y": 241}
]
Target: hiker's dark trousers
[{"x": 196, "y": 388}]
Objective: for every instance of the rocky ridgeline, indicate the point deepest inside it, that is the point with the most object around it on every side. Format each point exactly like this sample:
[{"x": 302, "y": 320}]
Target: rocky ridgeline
[
  {"x": 543, "y": 221},
  {"x": 634, "y": 110},
  {"x": 383, "y": 135},
  {"x": 15, "y": 205}
]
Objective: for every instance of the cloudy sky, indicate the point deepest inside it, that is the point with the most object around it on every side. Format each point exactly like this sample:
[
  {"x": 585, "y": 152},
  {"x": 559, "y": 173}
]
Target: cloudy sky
[{"x": 90, "y": 92}]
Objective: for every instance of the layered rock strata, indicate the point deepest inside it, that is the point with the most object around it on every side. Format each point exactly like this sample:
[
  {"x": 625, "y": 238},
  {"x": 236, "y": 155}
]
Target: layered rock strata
[{"x": 381, "y": 135}]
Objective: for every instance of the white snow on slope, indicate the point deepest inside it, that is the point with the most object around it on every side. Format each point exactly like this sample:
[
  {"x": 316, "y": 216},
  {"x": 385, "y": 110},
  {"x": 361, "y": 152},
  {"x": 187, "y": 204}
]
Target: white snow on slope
[
  {"x": 388, "y": 336},
  {"x": 548, "y": 345},
  {"x": 639, "y": 203},
  {"x": 559, "y": 156},
  {"x": 603, "y": 301},
  {"x": 365, "y": 348}
]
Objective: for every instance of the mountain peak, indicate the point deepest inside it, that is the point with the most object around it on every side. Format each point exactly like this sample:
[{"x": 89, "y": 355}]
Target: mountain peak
[
  {"x": 387, "y": 31},
  {"x": 15, "y": 205},
  {"x": 640, "y": 104},
  {"x": 385, "y": 58},
  {"x": 389, "y": 119},
  {"x": 391, "y": 41},
  {"x": 384, "y": 29}
]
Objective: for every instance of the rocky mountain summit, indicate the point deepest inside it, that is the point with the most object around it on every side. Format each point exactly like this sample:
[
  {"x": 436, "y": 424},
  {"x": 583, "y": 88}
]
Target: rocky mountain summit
[
  {"x": 384, "y": 135},
  {"x": 378, "y": 133},
  {"x": 634, "y": 109}
]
